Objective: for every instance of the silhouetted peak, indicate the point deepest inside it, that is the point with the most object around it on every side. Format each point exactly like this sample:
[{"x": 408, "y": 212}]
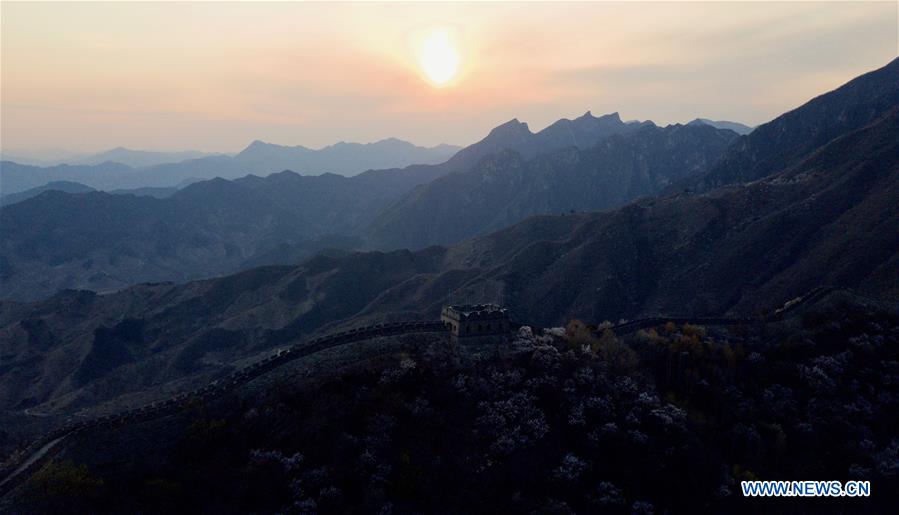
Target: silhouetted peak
[
  {"x": 259, "y": 147},
  {"x": 257, "y": 144},
  {"x": 283, "y": 175},
  {"x": 611, "y": 117},
  {"x": 254, "y": 147},
  {"x": 511, "y": 128},
  {"x": 584, "y": 129},
  {"x": 588, "y": 120},
  {"x": 394, "y": 144}
]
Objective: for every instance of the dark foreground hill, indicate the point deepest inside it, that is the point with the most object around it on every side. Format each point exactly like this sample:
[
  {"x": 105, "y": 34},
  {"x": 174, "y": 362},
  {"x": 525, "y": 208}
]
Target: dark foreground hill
[{"x": 566, "y": 422}]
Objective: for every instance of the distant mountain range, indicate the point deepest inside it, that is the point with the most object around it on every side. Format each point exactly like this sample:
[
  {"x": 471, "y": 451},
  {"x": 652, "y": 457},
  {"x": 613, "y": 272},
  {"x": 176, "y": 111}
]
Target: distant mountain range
[
  {"x": 817, "y": 213},
  {"x": 129, "y": 169},
  {"x": 121, "y": 155},
  {"x": 76, "y": 187},
  {"x": 63, "y": 186},
  {"x": 40, "y": 157},
  {"x": 342, "y": 158},
  {"x": 103, "y": 242},
  {"x": 139, "y": 158},
  {"x": 737, "y": 127},
  {"x": 16, "y": 178}
]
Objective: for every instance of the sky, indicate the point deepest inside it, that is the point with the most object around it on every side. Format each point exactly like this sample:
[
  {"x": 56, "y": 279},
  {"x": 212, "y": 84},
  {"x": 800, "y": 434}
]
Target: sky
[{"x": 216, "y": 76}]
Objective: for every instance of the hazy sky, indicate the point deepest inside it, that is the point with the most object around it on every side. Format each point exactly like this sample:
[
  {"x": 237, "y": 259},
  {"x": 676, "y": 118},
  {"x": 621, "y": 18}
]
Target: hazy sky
[{"x": 215, "y": 76}]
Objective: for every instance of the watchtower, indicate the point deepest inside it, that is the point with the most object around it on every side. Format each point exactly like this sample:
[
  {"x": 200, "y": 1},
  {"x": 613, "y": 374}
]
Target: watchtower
[{"x": 477, "y": 323}]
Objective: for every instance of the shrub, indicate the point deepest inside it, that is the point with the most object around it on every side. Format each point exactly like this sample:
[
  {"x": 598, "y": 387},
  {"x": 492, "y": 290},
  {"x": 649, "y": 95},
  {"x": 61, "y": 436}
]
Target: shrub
[{"x": 63, "y": 488}]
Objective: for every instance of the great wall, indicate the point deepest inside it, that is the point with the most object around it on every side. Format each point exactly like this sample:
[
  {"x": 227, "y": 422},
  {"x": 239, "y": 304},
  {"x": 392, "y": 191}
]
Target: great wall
[{"x": 39, "y": 451}]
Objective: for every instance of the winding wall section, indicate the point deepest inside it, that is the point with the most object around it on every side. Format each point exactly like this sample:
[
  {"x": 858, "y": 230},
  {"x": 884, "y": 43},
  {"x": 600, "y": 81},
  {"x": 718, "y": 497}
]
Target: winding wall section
[{"x": 36, "y": 453}]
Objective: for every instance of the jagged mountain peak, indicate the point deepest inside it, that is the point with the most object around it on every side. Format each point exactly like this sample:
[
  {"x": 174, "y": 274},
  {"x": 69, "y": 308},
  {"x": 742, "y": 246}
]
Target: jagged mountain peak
[
  {"x": 586, "y": 165},
  {"x": 582, "y": 132},
  {"x": 587, "y": 122},
  {"x": 610, "y": 117},
  {"x": 513, "y": 127},
  {"x": 258, "y": 143}
]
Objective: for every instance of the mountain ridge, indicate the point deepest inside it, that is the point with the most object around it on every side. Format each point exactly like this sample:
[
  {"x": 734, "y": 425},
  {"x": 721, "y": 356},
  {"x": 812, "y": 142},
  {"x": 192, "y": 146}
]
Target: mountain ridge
[
  {"x": 507, "y": 187},
  {"x": 770, "y": 147},
  {"x": 64, "y": 186},
  {"x": 257, "y": 158}
]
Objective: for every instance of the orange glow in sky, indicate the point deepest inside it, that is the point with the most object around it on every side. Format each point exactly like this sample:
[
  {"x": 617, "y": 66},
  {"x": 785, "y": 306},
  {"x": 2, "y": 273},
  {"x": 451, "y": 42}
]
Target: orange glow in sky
[{"x": 215, "y": 76}]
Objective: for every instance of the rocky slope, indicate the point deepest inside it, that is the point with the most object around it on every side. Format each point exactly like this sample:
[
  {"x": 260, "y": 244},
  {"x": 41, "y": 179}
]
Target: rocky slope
[
  {"x": 773, "y": 146},
  {"x": 507, "y": 187}
]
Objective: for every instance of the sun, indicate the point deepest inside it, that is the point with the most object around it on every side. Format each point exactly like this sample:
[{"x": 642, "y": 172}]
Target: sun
[{"x": 438, "y": 57}]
